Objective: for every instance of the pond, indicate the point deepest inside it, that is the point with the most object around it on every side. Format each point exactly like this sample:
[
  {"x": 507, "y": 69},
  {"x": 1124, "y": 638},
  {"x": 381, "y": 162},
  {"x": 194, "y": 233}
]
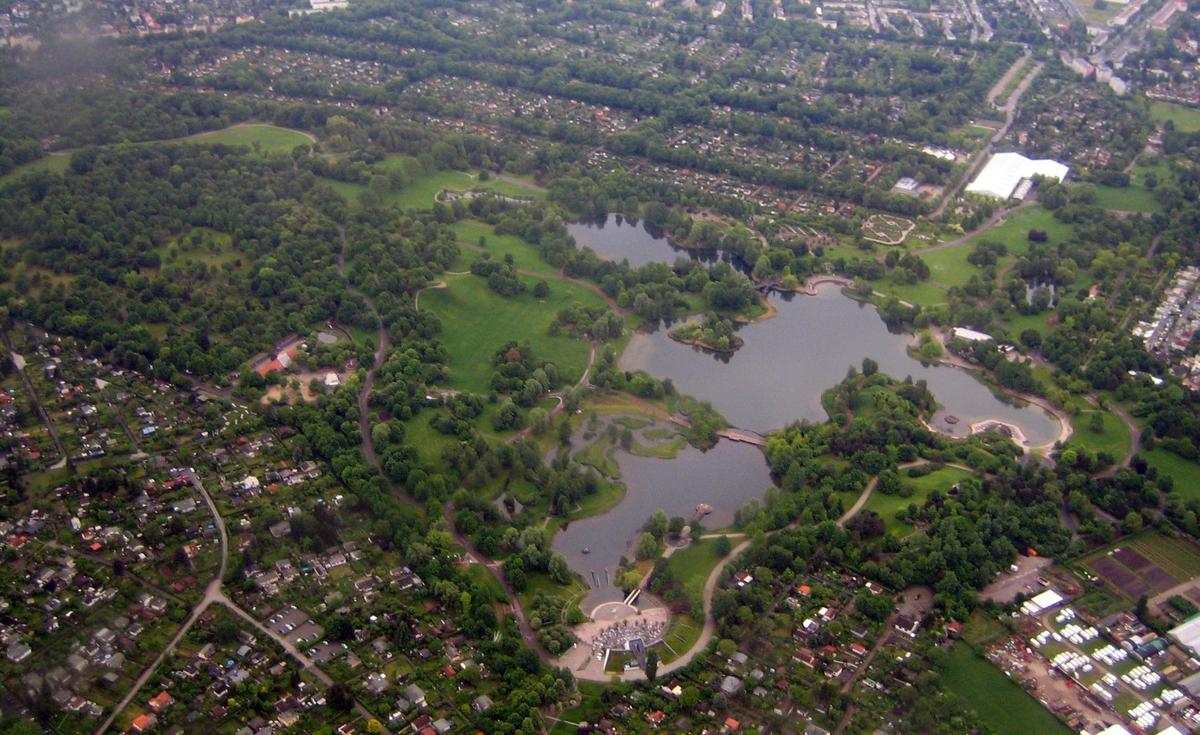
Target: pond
[
  {"x": 616, "y": 238},
  {"x": 725, "y": 477},
  {"x": 788, "y": 360}
]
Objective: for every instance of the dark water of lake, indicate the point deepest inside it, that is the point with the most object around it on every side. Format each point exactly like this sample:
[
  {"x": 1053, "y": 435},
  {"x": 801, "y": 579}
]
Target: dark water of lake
[
  {"x": 726, "y": 477},
  {"x": 788, "y": 360},
  {"x": 616, "y": 238}
]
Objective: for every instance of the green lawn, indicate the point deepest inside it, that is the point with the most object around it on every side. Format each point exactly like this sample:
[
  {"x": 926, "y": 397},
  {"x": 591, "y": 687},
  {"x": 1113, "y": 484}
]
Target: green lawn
[
  {"x": 1127, "y": 199},
  {"x": 949, "y": 267},
  {"x": 1185, "y": 473},
  {"x": 525, "y": 256},
  {"x": 56, "y": 164},
  {"x": 428, "y": 443},
  {"x": 887, "y": 506},
  {"x": 692, "y": 565},
  {"x": 268, "y": 138},
  {"x": 997, "y": 700},
  {"x": 1113, "y": 438},
  {"x": 1186, "y": 119},
  {"x": 422, "y": 193},
  {"x": 477, "y": 322}
]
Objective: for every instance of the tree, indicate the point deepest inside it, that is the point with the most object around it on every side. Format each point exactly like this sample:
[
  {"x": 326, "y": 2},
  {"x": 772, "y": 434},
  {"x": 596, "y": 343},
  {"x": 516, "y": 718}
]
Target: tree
[
  {"x": 1096, "y": 423},
  {"x": 651, "y": 665},
  {"x": 647, "y": 547},
  {"x": 541, "y": 290},
  {"x": 869, "y": 367},
  {"x": 658, "y": 524},
  {"x": 340, "y": 697},
  {"x": 1132, "y": 522},
  {"x": 724, "y": 546}
]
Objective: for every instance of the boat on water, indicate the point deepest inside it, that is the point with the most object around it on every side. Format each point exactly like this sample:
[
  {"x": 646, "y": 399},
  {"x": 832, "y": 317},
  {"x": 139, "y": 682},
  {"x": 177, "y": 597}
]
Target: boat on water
[
  {"x": 952, "y": 420},
  {"x": 702, "y": 510},
  {"x": 587, "y": 549}
]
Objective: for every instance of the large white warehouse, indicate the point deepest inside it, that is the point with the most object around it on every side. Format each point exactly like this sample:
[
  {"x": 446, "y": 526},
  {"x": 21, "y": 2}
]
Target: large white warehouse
[{"x": 1005, "y": 172}]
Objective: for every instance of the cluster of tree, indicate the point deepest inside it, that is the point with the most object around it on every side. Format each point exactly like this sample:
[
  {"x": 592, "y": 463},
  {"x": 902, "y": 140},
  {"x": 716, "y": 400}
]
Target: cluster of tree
[
  {"x": 501, "y": 276},
  {"x": 598, "y": 323}
]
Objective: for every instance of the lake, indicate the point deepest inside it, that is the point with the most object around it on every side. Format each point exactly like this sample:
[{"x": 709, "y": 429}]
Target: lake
[
  {"x": 788, "y": 360},
  {"x": 616, "y": 238},
  {"x": 776, "y": 378},
  {"x": 726, "y": 477}
]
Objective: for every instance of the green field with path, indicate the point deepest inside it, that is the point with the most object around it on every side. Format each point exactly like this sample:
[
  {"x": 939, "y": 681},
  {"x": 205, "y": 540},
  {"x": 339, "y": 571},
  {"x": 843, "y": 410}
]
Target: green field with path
[
  {"x": 887, "y": 506},
  {"x": 477, "y": 321}
]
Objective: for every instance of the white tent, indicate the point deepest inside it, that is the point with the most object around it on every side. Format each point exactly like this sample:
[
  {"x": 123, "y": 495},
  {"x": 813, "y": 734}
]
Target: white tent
[{"x": 1000, "y": 177}]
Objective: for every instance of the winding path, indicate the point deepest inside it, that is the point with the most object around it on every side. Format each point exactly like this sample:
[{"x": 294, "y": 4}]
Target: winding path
[
  {"x": 215, "y": 594},
  {"x": 364, "y": 394}
]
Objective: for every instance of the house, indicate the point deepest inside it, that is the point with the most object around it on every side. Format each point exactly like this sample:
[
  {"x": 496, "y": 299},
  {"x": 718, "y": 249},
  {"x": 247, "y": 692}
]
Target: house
[
  {"x": 18, "y": 651},
  {"x": 161, "y": 701},
  {"x": 280, "y": 529},
  {"x": 731, "y": 725},
  {"x": 482, "y": 703},
  {"x": 443, "y": 726},
  {"x": 656, "y": 717},
  {"x": 908, "y": 626},
  {"x": 415, "y": 694},
  {"x": 732, "y": 686},
  {"x": 143, "y": 723}
]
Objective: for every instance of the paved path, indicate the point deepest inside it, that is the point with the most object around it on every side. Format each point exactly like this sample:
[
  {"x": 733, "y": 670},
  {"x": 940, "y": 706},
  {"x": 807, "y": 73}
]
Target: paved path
[
  {"x": 1011, "y": 106},
  {"x": 214, "y": 594},
  {"x": 364, "y": 394}
]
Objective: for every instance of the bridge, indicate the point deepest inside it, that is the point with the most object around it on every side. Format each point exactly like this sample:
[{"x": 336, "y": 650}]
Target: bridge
[
  {"x": 737, "y": 436},
  {"x": 732, "y": 435}
]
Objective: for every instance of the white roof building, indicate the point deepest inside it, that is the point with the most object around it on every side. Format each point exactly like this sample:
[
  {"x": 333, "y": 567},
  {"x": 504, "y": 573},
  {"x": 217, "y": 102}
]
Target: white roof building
[
  {"x": 1187, "y": 634},
  {"x": 970, "y": 334},
  {"x": 1041, "y": 602},
  {"x": 1000, "y": 177}
]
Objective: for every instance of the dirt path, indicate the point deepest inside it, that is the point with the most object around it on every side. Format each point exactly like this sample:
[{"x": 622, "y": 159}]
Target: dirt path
[{"x": 19, "y": 362}]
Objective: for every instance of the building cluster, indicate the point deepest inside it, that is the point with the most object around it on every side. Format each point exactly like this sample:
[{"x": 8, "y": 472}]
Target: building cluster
[
  {"x": 1169, "y": 334},
  {"x": 26, "y": 24}
]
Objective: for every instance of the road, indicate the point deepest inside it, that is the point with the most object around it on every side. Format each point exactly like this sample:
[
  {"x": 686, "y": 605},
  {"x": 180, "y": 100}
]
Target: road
[
  {"x": 19, "y": 363},
  {"x": 1011, "y": 106},
  {"x": 214, "y": 594}
]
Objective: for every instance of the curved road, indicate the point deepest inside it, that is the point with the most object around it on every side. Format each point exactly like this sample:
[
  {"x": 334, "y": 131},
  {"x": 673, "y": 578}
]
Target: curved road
[{"x": 214, "y": 594}]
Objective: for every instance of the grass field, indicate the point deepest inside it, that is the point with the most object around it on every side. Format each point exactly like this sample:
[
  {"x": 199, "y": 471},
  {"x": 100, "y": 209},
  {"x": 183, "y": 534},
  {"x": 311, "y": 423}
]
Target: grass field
[
  {"x": 477, "y": 322},
  {"x": 56, "y": 164},
  {"x": 422, "y": 193},
  {"x": 692, "y": 565},
  {"x": 1185, "y": 473},
  {"x": 981, "y": 629},
  {"x": 1127, "y": 199},
  {"x": 887, "y": 506},
  {"x": 525, "y": 256},
  {"x": 268, "y": 138},
  {"x": 997, "y": 700},
  {"x": 1114, "y": 438},
  {"x": 1186, "y": 119}
]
